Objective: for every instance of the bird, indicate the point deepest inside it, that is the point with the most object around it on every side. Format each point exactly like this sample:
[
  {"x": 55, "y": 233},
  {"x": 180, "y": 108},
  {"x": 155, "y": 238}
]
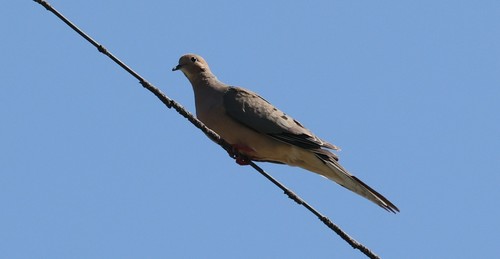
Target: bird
[{"x": 263, "y": 133}]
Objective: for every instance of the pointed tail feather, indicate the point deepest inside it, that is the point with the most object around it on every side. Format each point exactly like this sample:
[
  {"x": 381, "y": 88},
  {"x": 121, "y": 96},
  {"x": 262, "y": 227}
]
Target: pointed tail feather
[
  {"x": 338, "y": 174},
  {"x": 387, "y": 205}
]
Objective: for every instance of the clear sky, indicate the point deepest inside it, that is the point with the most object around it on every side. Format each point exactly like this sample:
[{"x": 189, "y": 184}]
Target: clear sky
[{"x": 94, "y": 166}]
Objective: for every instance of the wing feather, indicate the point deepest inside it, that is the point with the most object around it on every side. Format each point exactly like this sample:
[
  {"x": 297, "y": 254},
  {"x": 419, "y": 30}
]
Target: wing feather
[{"x": 258, "y": 114}]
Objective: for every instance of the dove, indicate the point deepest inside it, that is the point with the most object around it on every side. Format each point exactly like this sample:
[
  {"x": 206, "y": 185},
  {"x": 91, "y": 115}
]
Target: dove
[{"x": 263, "y": 133}]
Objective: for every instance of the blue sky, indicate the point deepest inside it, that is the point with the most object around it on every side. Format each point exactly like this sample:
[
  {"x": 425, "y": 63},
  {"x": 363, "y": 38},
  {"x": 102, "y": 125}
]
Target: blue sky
[{"x": 94, "y": 166}]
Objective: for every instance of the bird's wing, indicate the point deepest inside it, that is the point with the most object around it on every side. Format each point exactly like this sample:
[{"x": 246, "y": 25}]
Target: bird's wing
[{"x": 256, "y": 113}]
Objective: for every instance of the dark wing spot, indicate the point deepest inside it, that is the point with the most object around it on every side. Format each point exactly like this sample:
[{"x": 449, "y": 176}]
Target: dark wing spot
[{"x": 298, "y": 123}]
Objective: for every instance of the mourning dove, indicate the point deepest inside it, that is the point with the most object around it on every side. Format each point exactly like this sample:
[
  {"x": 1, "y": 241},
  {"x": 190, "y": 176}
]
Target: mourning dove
[{"x": 261, "y": 132}]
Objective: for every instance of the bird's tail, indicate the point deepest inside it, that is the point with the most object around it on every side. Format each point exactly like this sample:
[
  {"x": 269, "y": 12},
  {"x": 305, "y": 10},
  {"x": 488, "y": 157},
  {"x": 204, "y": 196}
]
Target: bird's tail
[{"x": 340, "y": 175}]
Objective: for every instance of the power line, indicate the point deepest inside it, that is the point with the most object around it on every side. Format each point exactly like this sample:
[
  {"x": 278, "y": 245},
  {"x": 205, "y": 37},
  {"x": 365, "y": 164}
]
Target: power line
[{"x": 170, "y": 103}]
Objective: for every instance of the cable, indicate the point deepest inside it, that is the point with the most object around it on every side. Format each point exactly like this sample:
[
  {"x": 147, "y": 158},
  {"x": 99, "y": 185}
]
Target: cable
[{"x": 210, "y": 133}]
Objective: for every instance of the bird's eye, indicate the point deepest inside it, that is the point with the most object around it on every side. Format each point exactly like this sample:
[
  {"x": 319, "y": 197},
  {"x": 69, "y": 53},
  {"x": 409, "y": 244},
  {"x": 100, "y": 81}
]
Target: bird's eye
[{"x": 193, "y": 59}]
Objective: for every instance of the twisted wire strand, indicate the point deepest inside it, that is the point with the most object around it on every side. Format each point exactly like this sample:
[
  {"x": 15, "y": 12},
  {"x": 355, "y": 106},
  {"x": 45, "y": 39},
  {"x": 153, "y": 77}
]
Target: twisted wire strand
[{"x": 170, "y": 103}]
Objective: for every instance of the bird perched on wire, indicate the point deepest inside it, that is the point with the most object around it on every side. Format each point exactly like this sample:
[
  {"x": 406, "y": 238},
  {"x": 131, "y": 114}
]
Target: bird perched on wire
[{"x": 261, "y": 132}]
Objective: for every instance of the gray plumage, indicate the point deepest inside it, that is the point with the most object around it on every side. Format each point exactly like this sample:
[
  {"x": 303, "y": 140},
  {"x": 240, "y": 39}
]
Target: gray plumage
[{"x": 264, "y": 133}]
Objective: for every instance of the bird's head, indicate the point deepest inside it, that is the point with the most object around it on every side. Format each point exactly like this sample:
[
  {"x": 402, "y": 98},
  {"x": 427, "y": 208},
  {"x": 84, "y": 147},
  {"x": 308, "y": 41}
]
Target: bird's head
[{"x": 192, "y": 66}]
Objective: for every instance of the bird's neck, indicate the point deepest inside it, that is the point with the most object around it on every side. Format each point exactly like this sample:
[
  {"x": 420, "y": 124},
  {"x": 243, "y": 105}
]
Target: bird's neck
[
  {"x": 206, "y": 81},
  {"x": 200, "y": 78},
  {"x": 208, "y": 95}
]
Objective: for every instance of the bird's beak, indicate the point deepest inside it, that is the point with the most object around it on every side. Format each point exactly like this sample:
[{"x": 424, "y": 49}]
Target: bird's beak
[{"x": 176, "y": 67}]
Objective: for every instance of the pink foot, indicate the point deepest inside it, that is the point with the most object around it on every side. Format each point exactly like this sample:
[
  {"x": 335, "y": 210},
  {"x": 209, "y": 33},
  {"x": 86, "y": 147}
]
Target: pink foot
[{"x": 240, "y": 158}]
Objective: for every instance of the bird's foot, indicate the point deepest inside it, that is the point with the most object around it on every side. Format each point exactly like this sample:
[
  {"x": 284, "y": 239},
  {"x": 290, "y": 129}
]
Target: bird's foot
[
  {"x": 236, "y": 153},
  {"x": 241, "y": 160}
]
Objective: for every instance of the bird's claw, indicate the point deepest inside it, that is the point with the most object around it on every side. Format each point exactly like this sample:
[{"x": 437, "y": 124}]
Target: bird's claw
[
  {"x": 242, "y": 160},
  {"x": 236, "y": 154}
]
